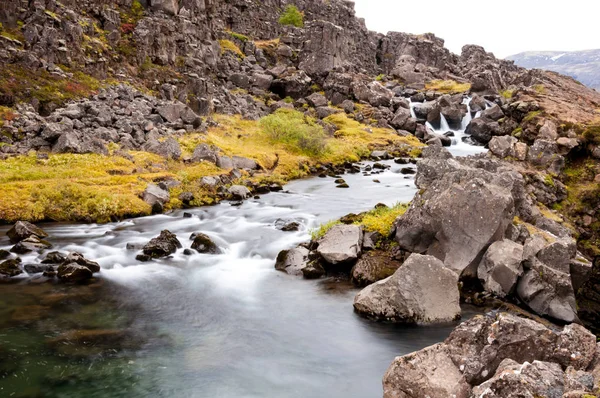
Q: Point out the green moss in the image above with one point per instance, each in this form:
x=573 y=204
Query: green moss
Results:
x=319 y=232
x=591 y=134
x=380 y=77
x=382 y=219
x=531 y=115
x=292 y=16
x=288 y=100
x=549 y=181
x=239 y=36
x=508 y=94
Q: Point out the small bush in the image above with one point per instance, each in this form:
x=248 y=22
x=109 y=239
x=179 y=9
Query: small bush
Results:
x=591 y=135
x=292 y=16
x=297 y=132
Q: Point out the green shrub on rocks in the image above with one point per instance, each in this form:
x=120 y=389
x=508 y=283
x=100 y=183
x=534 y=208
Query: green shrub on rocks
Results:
x=296 y=131
x=292 y=16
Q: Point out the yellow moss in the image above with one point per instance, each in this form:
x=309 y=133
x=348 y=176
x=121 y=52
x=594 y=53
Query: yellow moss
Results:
x=381 y=219
x=228 y=45
x=447 y=86
x=266 y=44
x=319 y=232
x=533 y=230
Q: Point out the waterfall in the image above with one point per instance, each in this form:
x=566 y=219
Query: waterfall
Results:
x=411 y=105
x=444 y=126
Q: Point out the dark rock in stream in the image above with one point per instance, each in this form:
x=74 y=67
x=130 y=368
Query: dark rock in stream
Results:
x=78 y=258
x=4 y=254
x=11 y=267
x=30 y=244
x=37 y=268
x=293 y=261
x=23 y=230
x=74 y=273
x=54 y=258
x=162 y=246
x=202 y=243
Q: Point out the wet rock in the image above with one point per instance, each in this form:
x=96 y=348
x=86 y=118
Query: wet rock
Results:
x=287 y=225
x=31 y=244
x=426 y=373
x=54 y=258
x=4 y=254
x=341 y=244
x=78 y=258
x=162 y=246
x=74 y=273
x=23 y=230
x=372 y=267
x=37 y=268
x=501 y=267
x=421 y=291
x=202 y=243
x=238 y=192
x=293 y=261
x=156 y=197
x=11 y=267
x=313 y=270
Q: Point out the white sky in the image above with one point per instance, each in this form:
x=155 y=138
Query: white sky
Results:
x=504 y=27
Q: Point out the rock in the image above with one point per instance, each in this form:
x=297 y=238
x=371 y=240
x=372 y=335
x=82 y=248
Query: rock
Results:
x=494 y=113
x=373 y=267
x=287 y=225
x=74 y=273
x=78 y=258
x=503 y=146
x=54 y=258
x=377 y=155
x=162 y=246
x=238 y=192
x=341 y=244
x=548 y=292
x=548 y=131
x=31 y=244
x=23 y=230
x=575 y=347
x=426 y=373
x=293 y=261
x=313 y=270
x=483 y=129
x=537 y=379
x=316 y=100
x=203 y=152
x=244 y=163
x=202 y=243
x=11 y=267
x=545 y=154
x=501 y=267
x=421 y=291
x=4 y=254
x=168 y=149
x=171 y=112
x=156 y=197
x=37 y=268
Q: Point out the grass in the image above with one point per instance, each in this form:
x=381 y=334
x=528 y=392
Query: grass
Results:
x=238 y=36
x=591 y=134
x=292 y=16
x=229 y=46
x=380 y=219
x=508 y=94
x=531 y=115
x=447 y=86
x=70 y=187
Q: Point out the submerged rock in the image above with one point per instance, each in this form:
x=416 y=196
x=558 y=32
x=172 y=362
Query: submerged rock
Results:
x=421 y=291
x=23 y=230
x=162 y=246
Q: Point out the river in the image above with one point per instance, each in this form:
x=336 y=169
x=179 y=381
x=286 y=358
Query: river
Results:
x=213 y=326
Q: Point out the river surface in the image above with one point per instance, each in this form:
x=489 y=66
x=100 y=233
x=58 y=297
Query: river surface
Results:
x=209 y=326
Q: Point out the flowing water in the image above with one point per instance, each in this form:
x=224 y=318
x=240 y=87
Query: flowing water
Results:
x=224 y=325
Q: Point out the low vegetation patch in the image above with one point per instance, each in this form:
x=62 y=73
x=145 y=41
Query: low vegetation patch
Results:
x=508 y=94
x=320 y=232
x=229 y=46
x=381 y=219
x=447 y=86
x=296 y=131
x=292 y=16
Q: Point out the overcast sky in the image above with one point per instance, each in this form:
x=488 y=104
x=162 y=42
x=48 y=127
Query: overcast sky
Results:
x=504 y=27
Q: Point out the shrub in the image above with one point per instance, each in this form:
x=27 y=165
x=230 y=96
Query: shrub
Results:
x=296 y=131
x=591 y=135
x=228 y=45
x=292 y=16
x=239 y=36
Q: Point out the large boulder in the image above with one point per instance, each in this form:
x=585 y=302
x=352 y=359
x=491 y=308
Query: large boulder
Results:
x=238 y=192
x=74 y=273
x=421 y=291
x=11 y=267
x=168 y=149
x=341 y=244
x=31 y=244
x=162 y=246
x=23 y=230
x=501 y=267
x=426 y=373
x=545 y=154
x=503 y=146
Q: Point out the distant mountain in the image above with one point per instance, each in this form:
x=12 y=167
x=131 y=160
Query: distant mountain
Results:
x=581 y=65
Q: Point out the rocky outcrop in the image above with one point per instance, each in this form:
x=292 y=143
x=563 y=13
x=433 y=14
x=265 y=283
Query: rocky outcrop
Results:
x=23 y=230
x=421 y=291
x=498 y=355
x=501 y=267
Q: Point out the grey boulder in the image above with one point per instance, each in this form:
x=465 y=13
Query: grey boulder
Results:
x=341 y=244
x=501 y=267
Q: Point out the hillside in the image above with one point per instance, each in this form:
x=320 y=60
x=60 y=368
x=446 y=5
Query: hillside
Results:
x=583 y=66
